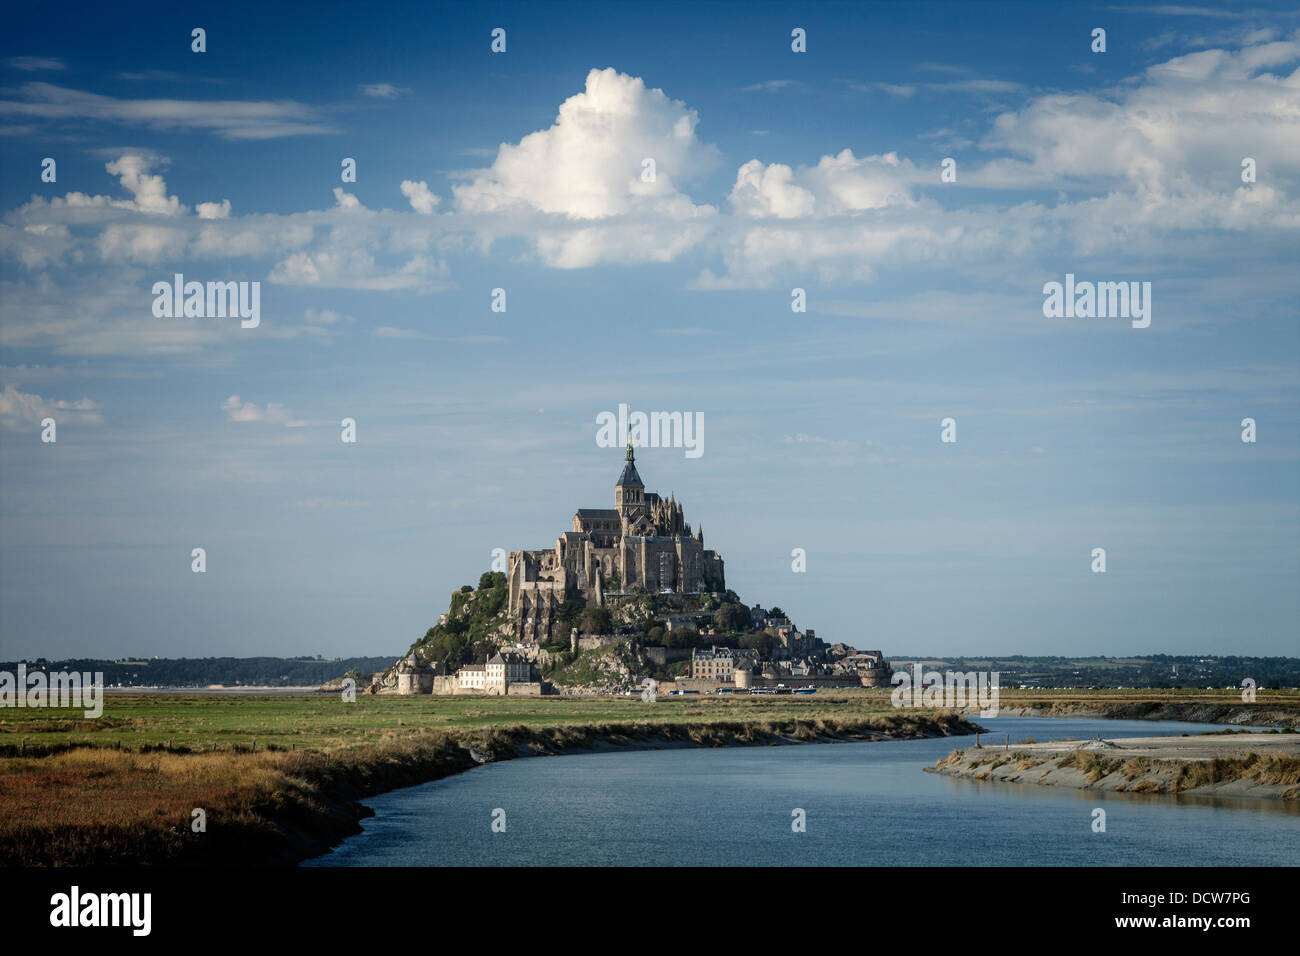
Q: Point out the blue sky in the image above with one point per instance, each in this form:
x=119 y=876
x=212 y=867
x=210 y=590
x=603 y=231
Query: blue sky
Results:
x=775 y=170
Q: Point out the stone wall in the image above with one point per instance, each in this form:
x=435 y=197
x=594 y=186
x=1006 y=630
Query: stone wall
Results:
x=790 y=680
x=445 y=684
x=691 y=683
x=661 y=656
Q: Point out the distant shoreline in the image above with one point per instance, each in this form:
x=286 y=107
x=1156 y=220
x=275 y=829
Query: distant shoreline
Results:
x=1279 y=716
x=222 y=689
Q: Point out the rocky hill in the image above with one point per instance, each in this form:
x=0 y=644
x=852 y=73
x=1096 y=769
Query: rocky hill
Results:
x=477 y=623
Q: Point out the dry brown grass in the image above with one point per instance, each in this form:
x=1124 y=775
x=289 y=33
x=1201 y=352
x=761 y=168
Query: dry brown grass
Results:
x=93 y=806
x=96 y=806
x=1266 y=769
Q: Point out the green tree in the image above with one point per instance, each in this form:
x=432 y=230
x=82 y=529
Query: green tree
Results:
x=682 y=637
x=570 y=612
x=731 y=617
x=761 y=641
x=597 y=620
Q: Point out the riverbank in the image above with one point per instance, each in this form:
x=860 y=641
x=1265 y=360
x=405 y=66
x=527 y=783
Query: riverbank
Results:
x=1281 y=716
x=95 y=806
x=1241 y=764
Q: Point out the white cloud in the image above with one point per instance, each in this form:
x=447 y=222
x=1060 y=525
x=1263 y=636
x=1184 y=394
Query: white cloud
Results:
x=836 y=185
x=588 y=164
x=421 y=198
x=138 y=243
x=1151 y=166
x=1158 y=160
x=356 y=269
x=763 y=191
x=249 y=412
x=19 y=409
x=346 y=200
x=1176 y=130
x=212 y=210
x=148 y=192
x=576 y=191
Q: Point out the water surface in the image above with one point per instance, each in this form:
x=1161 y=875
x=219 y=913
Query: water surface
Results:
x=865 y=803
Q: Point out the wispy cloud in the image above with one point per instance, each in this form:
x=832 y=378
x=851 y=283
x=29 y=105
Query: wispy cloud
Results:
x=229 y=119
x=167 y=76
x=1174 y=10
x=389 y=332
x=383 y=91
x=767 y=86
x=973 y=85
x=32 y=64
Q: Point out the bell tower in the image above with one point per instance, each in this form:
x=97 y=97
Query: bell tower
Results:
x=629 y=492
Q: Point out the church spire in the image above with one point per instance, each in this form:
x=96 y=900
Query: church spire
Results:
x=629 y=490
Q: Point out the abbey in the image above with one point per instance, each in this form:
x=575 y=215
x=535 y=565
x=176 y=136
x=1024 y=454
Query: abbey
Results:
x=642 y=541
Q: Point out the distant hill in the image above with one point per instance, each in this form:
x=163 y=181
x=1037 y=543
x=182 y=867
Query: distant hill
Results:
x=1150 y=670
x=202 y=671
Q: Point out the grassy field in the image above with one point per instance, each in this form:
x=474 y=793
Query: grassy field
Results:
x=279 y=776
x=323 y=721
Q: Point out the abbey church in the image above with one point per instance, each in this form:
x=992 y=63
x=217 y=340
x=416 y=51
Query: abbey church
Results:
x=643 y=541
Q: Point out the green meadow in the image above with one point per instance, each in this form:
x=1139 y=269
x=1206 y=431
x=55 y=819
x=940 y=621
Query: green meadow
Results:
x=324 y=721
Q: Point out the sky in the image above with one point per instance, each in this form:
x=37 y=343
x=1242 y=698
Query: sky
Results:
x=774 y=170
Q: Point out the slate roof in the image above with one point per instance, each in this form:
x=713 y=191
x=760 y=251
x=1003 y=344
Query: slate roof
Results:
x=629 y=478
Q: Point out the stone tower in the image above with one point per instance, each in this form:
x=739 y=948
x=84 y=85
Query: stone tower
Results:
x=629 y=492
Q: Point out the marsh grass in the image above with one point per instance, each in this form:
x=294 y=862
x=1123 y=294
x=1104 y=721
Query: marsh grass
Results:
x=124 y=795
x=1266 y=769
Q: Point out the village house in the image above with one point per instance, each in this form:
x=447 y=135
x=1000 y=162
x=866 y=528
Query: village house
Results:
x=721 y=663
x=473 y=677
x=502 y=670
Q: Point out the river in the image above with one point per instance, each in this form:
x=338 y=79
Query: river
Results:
x=864 y=804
